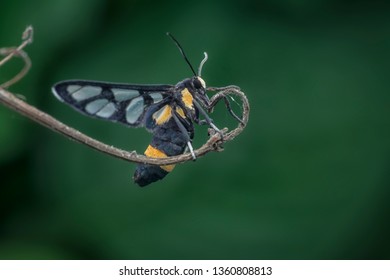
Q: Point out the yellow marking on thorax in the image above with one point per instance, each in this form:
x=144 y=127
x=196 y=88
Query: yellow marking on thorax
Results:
x=180 y=112
x=156 y=153
x=163 y=115
x=187 y=98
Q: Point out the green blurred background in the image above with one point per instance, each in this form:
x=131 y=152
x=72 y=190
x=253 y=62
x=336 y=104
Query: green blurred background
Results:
x=308 y=178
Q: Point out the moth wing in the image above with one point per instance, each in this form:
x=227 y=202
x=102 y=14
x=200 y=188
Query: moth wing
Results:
x=123 y=103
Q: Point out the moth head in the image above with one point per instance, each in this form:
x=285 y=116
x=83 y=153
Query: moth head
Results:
x=199 y=85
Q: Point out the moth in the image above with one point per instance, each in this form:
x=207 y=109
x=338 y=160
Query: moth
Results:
x=167 y=111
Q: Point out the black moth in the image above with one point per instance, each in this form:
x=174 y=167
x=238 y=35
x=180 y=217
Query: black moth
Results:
x=167 y=111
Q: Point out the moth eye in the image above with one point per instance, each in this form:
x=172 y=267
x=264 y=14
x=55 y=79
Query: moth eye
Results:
x=197 y=84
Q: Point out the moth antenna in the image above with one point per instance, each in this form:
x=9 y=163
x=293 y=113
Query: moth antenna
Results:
x=202 y=63
x=182 y=52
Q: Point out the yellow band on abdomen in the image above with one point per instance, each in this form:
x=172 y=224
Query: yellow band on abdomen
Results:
x=156 y=153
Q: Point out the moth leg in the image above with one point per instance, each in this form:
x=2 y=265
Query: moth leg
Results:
x=216 y=99
x=207 y=118
x=184 y=131
x=229 y=108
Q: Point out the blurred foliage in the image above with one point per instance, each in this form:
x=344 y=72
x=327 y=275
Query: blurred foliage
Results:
x=308 y=178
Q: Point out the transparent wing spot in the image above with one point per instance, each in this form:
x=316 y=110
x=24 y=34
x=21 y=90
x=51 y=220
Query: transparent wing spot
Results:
x=157 y=97
x=107 y=111
x=95 y=106
x=135 y=109
x=73 y=88
x=124 y=94
x=83 y=93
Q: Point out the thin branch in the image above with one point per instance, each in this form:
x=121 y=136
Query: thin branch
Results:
x=213 y=144
x=25 y=69
x=27 y=38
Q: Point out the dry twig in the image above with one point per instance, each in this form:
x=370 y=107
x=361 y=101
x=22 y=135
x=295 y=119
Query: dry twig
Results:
x=27 y=38
x=10 y=100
